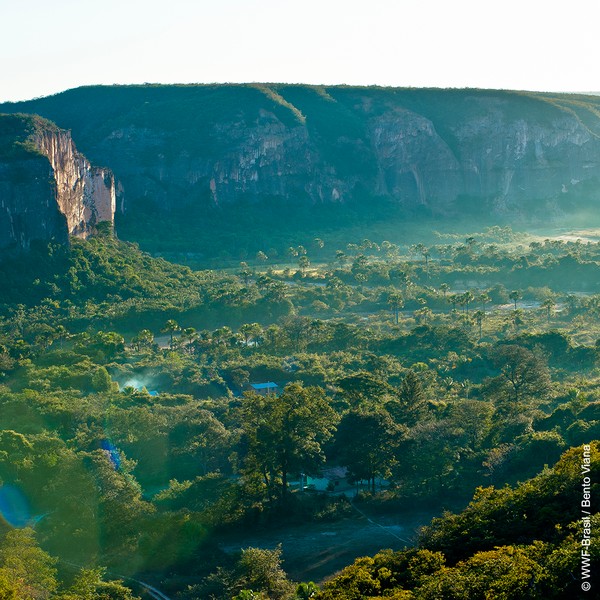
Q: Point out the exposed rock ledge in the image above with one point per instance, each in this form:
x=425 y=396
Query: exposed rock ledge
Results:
x=48 y=190
x=85 y=194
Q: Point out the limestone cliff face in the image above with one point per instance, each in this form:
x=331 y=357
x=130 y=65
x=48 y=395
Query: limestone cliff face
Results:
x=48 y=190
x=85 y=195
x=28 y=207
x=505 y=153
x=414 y=164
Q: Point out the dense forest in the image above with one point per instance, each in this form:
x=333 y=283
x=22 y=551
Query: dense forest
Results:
x=157 y=416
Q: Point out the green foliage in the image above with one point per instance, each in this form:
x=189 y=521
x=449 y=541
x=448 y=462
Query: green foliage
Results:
x=524 y=374
x=353 y=583
x=89 y=584
x=363 y=389
x=256 y=574
x=306 y=591
x=410 y=405
x=261 y=569
x=16 y=132
x=521 y=567
x=506 y=573
x=366 y=442
x=101 y=381
x=26 y=571
x=285 y=434
x=529 y=512
x=436 y=407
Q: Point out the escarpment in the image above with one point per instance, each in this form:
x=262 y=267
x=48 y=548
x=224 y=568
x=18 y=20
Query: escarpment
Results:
x=196 y=157
x=48 y=190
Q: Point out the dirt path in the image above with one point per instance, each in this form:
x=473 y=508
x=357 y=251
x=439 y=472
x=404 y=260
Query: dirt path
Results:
x=315 y=551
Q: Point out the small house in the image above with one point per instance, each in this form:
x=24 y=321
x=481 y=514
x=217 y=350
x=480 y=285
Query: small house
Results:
x=265 y=389
x=333 y=479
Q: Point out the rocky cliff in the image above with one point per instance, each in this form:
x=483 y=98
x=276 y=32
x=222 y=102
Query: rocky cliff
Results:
x=48 y=190
x=190 y=149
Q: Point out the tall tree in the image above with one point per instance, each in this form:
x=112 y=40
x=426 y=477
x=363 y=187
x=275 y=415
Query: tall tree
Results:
x=515 y=296
x=466 y=299
x=250 y=332
x=396 y=303
x=523 y=372
x=188 y=335
x=365 y=442
x=479 y=316
x=285 y=434
x=410 y=404
x=548 y=304
x=303 y=263
x=144 y=339
x=363 y=389
x=171 y=326
x=483 y=299
x=260 y=569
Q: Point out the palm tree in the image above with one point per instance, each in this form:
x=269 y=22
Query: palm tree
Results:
x=396 y=302
x=303 y=263
x=467 y=298
x=423 y=250
x=250 y=331
x=170 y=327
x=189 y=335
x=484 y=299
x=515 y=296
x=144 y=339
x=222 y=336
x=454 y=299
x=548 y=304
x=479 y=315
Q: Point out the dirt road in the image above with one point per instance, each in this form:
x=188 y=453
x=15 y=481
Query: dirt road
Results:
x=315 y=551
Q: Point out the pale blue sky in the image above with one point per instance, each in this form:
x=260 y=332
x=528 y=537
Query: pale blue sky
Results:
x=51 y=45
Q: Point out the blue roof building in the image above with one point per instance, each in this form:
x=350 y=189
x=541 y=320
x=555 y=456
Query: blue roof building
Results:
x=265 y=388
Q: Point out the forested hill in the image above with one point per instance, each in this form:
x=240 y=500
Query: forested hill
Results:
x=508 y=543
x=236 y=158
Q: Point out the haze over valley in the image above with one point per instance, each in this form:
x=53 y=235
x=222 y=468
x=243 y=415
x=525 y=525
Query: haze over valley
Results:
x=331 y=340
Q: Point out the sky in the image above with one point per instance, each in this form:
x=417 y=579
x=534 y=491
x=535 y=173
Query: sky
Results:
x=48 y=46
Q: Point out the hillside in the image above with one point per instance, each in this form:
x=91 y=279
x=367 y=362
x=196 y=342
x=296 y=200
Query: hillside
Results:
x=520 y=543
x=220 y=165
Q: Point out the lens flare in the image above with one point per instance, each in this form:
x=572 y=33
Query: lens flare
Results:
x=113 y=453
x=14 y=507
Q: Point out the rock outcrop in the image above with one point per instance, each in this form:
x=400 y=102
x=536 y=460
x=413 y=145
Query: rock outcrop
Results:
x=48 y=190
x=506 y=154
